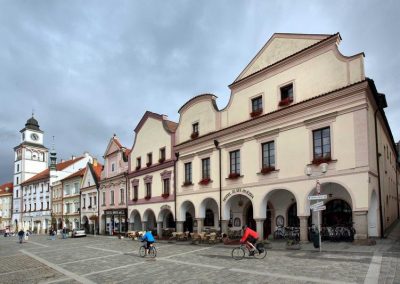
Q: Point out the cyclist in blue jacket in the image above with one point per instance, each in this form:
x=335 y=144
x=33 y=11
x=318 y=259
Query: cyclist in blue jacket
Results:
x=149 y=238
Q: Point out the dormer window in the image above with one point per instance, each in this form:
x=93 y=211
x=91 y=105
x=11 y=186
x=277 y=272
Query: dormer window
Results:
x=162 y=155
x=286 y=95
x=256 y=107
x=195 y=130
x=149 y=159
x=138 y=163
x=112 y=167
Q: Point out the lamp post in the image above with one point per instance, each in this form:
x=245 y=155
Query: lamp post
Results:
x=323 y=168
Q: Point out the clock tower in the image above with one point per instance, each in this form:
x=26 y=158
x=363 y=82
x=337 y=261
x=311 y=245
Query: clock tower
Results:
x=30 y=158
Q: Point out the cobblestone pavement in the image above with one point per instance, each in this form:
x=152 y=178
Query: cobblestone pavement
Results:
x=111 y=260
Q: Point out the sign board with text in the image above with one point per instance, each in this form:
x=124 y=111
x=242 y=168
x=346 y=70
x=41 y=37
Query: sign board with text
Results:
x=318 y=197
x=319 y=208
x=318 y=204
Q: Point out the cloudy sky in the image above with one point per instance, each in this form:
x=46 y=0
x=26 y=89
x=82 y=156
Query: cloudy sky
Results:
x=92 y=68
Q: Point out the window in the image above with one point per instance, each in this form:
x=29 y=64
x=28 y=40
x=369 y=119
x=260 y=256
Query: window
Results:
x=30 y=207
x=205 y=168
x=17 y=168
x=48 y=204
x=209 y=220
x=67 y=190
x=25 y=208
x=268 y=155
x=195 y=127
x=256 y=104
x=76 y=188
x=149 y=159
x=122 y=195
x=188 y=173
x=166 y=186
x=112 y=197
x=34 y=207
x=322 y=144
x=235 y=162
x=84 y=202
x=112 y=167
x=104 y=198
x=41 y=189
x=47 y=188
x=34 y=189
x=17 y=180
x=286 y=95
x=162 y=155
x=135 y=192
x=41 y=205
x=148 y=191
x=90 y=202
x=138 y=163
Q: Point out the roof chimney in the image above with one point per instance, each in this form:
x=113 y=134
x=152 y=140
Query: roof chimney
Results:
x=72 y=157
x=95 y=162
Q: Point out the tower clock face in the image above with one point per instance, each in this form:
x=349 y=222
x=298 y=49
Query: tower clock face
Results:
x=34 y=136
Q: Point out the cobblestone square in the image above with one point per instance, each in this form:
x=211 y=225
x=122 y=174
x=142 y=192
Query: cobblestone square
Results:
x=112 y=260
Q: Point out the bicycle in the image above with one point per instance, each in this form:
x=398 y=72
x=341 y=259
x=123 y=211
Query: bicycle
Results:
x=240 y=252
x=152 y=250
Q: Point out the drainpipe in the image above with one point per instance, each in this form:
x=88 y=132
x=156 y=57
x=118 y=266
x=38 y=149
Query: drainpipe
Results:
x=216 y=143
x=175 y=161
x=397 y=191
x=379 y=173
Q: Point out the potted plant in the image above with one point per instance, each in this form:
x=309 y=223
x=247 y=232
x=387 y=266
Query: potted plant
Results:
x=286 y=101
x=165 y=195
x=161 y=160
x=321 y=160
x=205 y=181
x=134 y=199
x=148 y=164
x=256 y=113
x=137 y=167
x=194 y=135
x=187 y=183
x=233 y=175
x=147 y=197
x=268 y=169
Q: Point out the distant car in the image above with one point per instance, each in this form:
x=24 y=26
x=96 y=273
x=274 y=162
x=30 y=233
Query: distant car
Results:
x=78 y=233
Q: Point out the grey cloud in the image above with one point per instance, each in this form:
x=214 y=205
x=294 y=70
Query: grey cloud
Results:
x=92 y=68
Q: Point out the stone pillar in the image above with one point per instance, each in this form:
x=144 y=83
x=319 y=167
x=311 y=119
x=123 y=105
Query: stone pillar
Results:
x=224 y=226
x=159 y=229
x=200 y=222
x=179 y=226
x=260 y=228
x=303 y=229
x=144 y=225
x=360 y=219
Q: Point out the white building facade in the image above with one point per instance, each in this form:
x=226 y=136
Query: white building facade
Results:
x=151 y=199
x=298 y=104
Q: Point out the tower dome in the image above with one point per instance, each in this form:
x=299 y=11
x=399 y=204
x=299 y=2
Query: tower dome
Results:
x=32 y=123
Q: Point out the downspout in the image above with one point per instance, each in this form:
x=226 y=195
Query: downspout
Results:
x=397 y=191
x=175 y=161
x=216 y=143
x=379 y=173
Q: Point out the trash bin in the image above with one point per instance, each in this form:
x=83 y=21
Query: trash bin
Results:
x=315 y=238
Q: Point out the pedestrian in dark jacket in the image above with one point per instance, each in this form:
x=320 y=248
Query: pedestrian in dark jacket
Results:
x=21 y=235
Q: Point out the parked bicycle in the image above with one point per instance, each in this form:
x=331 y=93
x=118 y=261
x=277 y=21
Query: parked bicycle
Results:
x=152 y=250
x=243 y=250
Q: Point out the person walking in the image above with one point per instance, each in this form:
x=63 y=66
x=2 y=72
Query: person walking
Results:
x=21 y=235
x=64 y=233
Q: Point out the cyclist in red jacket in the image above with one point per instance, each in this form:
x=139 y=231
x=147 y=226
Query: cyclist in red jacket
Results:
x=250 y=237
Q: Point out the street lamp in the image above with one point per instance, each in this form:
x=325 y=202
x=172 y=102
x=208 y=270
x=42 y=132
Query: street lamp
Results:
x=323 y=168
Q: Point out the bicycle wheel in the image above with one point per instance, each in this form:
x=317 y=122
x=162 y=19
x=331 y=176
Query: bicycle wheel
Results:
x=142 y=251
x=260 y=255
x=152 y=252
x=238 y=253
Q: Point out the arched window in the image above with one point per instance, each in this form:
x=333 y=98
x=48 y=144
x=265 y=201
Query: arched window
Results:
x=293 y=220
x=338 y=212
x=209 y=220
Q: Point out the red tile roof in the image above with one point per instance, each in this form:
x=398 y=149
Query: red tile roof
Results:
x=46 y=173
x=79 y=173
x=97 y=169
x=3 y=187
x=172 y=126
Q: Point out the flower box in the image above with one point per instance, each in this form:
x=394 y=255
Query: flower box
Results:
x=148 y=164
x=187 y=183
x=205 y=181
x=194 y=135
x=286 y=101
x=165 y=195
x=147 y=197
x=134 y=199
x=256 y=113
x=233 y=176
x=137 y=167
x=318 y=161
x=161 y=160
x=266 y=170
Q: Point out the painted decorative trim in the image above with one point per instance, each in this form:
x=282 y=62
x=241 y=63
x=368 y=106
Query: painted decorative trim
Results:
x=135 y=182
x=166 y=174
x=148 y=179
